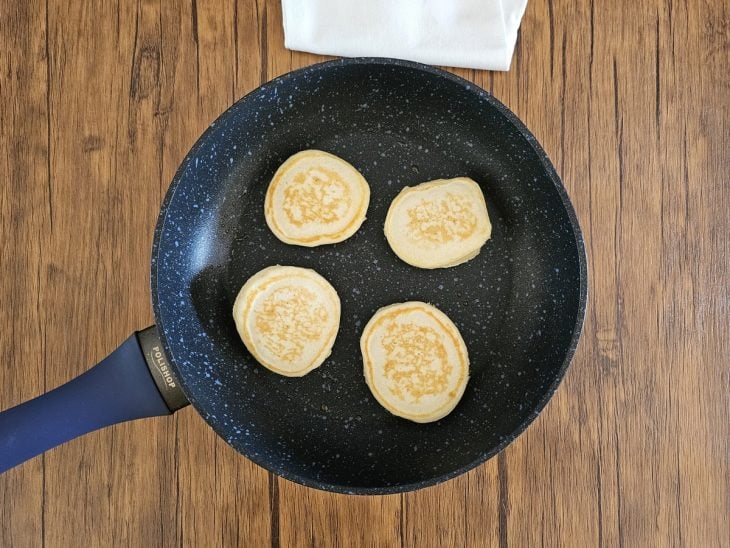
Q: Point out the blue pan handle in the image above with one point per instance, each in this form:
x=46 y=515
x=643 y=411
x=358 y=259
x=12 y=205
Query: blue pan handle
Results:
x=133 y=382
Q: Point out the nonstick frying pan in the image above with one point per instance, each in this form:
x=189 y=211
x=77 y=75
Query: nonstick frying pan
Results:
x=519 y=304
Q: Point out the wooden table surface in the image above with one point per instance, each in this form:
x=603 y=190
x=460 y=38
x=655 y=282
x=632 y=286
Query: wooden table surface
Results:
x=99 y=102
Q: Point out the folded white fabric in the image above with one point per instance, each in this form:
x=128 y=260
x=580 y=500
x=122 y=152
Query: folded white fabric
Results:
x=457 y=33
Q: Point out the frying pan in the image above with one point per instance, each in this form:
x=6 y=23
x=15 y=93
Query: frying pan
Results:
x=519 y=304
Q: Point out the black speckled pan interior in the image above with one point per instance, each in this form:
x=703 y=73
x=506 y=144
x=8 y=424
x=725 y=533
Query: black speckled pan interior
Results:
x=519 y=305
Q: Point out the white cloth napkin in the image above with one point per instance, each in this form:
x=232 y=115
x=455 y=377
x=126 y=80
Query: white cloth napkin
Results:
x=457 y=33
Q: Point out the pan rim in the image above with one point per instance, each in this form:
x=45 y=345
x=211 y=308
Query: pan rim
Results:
x=553 y=176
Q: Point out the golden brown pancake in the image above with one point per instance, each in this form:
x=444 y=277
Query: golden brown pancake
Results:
x=288 y=318
x=438 y=224
x=316 y=198
x=415 y=362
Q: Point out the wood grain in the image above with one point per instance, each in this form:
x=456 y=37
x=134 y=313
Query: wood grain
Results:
x=100 y=101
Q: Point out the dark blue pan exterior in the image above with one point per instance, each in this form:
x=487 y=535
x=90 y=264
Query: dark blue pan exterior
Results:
x=519 y=305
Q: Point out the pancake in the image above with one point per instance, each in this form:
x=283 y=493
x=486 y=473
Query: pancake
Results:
x=438 y=224
x=316 y=198
x=288 y=318
x=415 y=362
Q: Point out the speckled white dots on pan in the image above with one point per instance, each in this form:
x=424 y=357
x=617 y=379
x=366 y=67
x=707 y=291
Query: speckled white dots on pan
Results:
x=519 y=305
